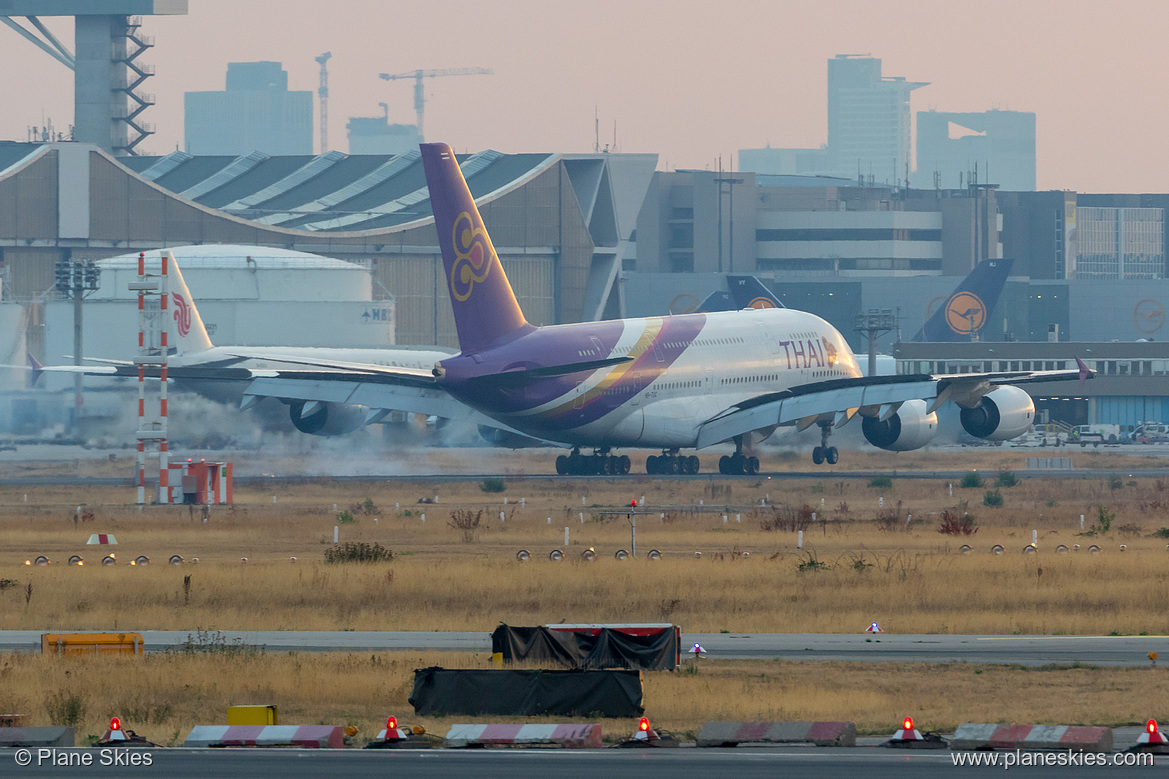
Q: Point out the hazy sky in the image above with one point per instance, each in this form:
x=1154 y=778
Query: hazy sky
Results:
x=686 y=79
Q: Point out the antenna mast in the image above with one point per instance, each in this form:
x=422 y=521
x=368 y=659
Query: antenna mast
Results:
x=323 y=95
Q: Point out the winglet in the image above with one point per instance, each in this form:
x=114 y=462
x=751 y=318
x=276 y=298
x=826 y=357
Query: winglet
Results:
x=36 y=367
x=1085 y=372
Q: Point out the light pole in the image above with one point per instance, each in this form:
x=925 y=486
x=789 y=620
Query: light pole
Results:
x=74 y=279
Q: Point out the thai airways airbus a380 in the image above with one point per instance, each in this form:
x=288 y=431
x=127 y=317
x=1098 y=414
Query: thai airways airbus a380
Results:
x=670 y=383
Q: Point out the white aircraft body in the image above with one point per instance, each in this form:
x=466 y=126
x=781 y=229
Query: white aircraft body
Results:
x=673 y=382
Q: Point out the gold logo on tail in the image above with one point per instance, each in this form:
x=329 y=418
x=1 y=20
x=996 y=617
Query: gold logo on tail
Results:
x=965 y=313
x=473 y=256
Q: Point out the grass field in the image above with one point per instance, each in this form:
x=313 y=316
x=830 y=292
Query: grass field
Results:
x=162 y=696
x=871 y=553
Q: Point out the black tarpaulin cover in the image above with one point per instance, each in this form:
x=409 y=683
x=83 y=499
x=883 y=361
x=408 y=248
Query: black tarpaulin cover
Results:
x=608 y=648
x=442 y=691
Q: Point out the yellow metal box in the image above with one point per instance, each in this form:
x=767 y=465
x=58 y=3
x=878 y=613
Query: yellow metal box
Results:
x=253 y=715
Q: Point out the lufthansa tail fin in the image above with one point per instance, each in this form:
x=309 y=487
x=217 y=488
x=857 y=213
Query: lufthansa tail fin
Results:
x=190 y=334
x=968 y=307
x=743 y=292
x=484 y=304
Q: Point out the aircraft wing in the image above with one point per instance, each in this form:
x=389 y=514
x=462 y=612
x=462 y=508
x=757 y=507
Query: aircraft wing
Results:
x=354 y=368
x=379 y=393
x=880 y=396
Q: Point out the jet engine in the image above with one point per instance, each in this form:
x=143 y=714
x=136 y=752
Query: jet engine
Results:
x=910 y=428
x=317 y=418
x=1001 y=414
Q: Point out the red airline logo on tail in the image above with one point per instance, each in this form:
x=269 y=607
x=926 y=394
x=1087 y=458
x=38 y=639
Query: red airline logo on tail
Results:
x=182 y=314
x=473 y=255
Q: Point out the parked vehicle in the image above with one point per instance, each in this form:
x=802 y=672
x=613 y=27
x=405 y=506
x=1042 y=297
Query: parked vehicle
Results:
x=1096 y=434
x=1151 y=433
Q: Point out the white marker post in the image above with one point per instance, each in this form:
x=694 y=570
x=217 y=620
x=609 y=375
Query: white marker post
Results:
x=582 y=517
x=800 y=540
x=336 y=532
x=951 y=486
x=1035 y=538
x=724 y=519
x=1081 y=522
x=549 y=520
x=566 y=536
x=273 y=500
x=739 y=518
x=881 y=502
x=423 y=517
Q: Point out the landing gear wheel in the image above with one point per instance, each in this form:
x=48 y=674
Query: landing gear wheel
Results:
x=624 y=464
x=693 y=465
x=832 y=456
x=751 y=465
x=562 y=465
x=818 y=455
x=651 y=465
x=724 y=465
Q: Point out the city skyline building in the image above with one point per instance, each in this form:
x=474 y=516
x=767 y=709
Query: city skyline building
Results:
x=255 y=113
x=868 y=120
x=988 y=147
x=375 y=135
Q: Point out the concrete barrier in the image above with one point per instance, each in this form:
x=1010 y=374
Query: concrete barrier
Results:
x=1080 y=737
x=822 y=734
x=311 y=736
x=37 y=737
x=564 y=736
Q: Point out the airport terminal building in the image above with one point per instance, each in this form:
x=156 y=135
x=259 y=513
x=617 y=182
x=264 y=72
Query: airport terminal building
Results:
x=561 y=223
x=595 y=236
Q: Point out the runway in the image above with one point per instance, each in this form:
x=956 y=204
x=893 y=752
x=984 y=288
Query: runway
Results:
x=565 y=764
x=883 y=647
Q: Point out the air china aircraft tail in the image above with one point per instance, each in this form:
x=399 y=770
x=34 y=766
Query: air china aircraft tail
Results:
x=485 y=307
x=190 y=334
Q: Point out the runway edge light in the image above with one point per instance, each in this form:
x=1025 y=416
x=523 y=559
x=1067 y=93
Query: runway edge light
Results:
x=1152 y=737
x=644 y=732
x=910 y=737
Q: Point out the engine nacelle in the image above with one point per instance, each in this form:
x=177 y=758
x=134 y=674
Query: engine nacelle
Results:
x=910 y=428
x=1001 y=415
x=327 y=418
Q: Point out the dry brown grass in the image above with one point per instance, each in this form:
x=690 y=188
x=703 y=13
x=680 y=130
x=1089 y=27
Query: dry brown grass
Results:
x=162 y=696
x=911 y=580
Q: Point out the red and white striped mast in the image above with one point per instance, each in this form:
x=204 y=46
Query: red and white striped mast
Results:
x=152 y=353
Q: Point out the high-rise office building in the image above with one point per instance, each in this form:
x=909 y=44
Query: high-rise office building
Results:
x=868 y=120
x=375 y=135
x=991 y=147
x=255 y=113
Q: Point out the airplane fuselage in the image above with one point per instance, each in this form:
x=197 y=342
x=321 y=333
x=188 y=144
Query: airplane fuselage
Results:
x=678 y=372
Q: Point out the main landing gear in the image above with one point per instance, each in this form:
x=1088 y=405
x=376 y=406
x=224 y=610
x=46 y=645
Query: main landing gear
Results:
x=670 y=462
x=738 y=464
x=599 y=464
x=825 y=453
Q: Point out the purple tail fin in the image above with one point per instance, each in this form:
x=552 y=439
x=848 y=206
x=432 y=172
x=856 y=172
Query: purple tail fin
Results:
x=485 y=306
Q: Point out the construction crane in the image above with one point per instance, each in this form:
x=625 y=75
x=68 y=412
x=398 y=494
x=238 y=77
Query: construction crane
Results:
x=418 y=75
x=323 y=94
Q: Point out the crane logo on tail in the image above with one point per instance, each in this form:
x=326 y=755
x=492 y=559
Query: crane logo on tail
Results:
x=182 y=314
x=473 y=256
x=761 y=303
x=965 y=313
